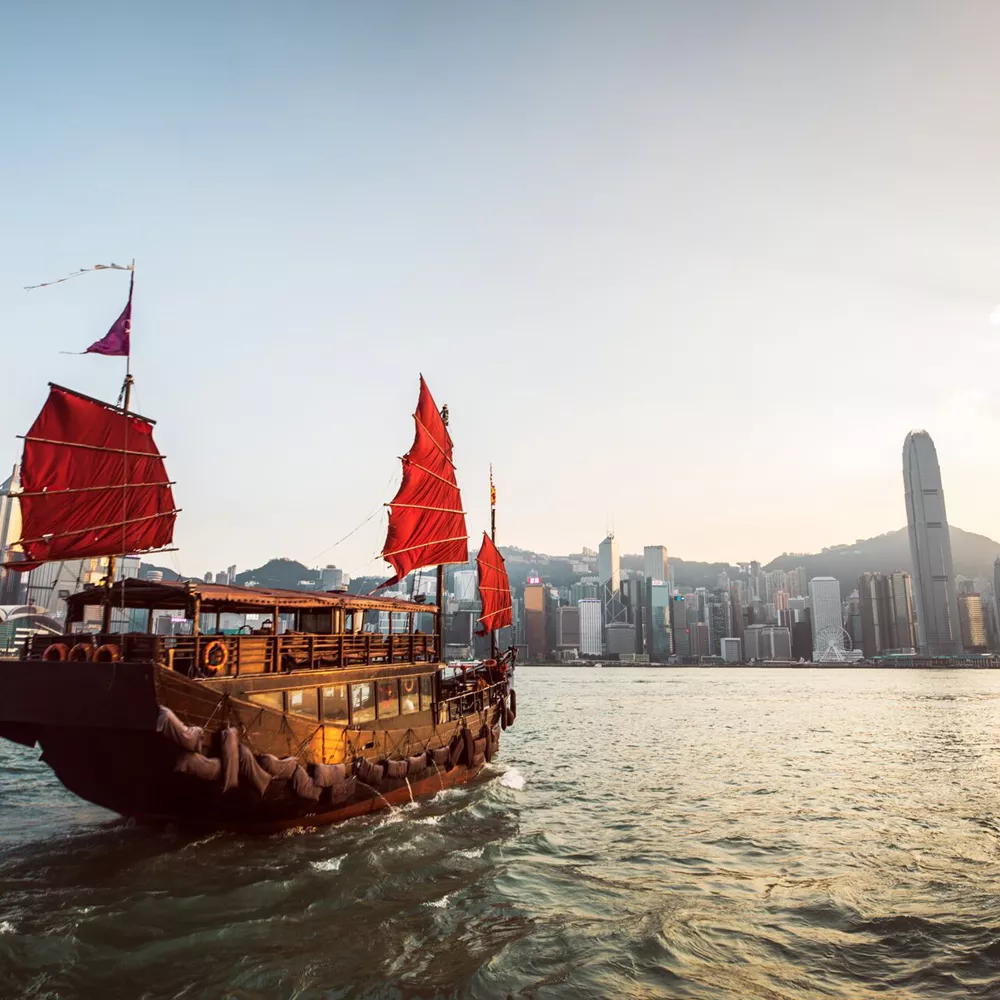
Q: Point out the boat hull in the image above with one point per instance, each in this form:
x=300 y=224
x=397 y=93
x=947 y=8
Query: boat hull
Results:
x=101 y=729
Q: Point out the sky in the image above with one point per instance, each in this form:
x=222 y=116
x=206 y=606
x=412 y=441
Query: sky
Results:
x=690 y=271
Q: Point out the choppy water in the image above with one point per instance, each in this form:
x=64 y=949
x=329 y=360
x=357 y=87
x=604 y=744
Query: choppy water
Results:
x=645 y=833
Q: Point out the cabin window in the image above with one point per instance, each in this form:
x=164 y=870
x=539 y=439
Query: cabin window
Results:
x=269 y=699
x=303 y=702
x=388 y=698
x=427 y=691
x=335 y=703
x=362 y=702
x=317 y=622
x=409 y=694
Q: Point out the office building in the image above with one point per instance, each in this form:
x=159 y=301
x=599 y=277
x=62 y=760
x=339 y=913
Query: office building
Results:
x=732 y=650
x=590 y=622
x=680 y=610
x=701 y=640
x=609 y=571
x=620 y=639
x=930 y=547
x=567 y=628
x=465 y=586
x=970 y=615
x=658 y=643
x=827 y=617
x=654 y=559
x=534 y=618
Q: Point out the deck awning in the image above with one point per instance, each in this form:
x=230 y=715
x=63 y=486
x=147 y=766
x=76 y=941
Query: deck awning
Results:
x=176 y=596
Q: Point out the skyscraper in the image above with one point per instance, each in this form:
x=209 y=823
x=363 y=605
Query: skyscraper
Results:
x=930 y=547
x=534 y=618
x=827 y=615
x=590 y=626
x=609 y=570
x=654 y=559
x=970 y=613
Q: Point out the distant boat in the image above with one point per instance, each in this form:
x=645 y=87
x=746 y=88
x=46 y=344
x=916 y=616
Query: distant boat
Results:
x=257 y=732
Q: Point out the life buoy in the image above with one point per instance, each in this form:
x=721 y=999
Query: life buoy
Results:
x=108 y=653
x=57 y=651
x=82 y=652
x=489 y=663
x=214 y=657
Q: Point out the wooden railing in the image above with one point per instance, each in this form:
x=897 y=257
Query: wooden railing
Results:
x=257 y=653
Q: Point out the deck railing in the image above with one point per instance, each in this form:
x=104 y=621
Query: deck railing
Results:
x=257 y=653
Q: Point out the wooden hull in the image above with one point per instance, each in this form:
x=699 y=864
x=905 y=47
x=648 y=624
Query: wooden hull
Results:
x=100 y=727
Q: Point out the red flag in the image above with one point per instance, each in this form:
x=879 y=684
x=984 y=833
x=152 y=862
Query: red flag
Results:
x=115 y=343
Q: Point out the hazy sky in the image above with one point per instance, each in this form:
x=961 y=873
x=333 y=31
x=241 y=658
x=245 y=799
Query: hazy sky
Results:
x=694 y=269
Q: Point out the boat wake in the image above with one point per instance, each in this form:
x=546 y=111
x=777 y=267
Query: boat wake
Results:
x=513 y=779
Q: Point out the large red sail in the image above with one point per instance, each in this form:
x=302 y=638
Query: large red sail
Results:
x=494 y=588
x=426 y=520
x=93 y=483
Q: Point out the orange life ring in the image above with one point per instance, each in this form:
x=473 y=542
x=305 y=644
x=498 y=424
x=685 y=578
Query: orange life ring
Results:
x=108 y=653
x=214 y=657
x=489 y=663
x=57 y=651
x=82 y=652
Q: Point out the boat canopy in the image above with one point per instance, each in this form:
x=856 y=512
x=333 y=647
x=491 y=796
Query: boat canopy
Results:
x=177 y=595
x=93 y=483
x=426 y=520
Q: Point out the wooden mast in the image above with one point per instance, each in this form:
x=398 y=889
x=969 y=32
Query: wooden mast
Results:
x=126 y=399
x=440 y=574
x=493 y=539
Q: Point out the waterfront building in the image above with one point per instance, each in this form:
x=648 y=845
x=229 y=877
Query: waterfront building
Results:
x=679 y=625
x=331 y=578
x=732 y=650
x=589 y=622
x=827 y=615
x=930 y=547
x=970 y=615
x=609 y=572
x=633 y=600
x=700 y=639
x=776 y=643
x=567 y=628
x=620 y=639
x=534 y=618
x=658 y=630
x=719 y=618
x=802 y=643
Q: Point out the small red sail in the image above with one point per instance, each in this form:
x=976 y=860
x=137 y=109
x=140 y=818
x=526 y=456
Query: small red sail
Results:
x=494 y=588
x=426 y=520
x=93 y=483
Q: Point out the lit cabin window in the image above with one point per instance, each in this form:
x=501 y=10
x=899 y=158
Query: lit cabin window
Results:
x=335 y=703
x=303 y=702
x=409 y=695
x=269 y=699
x=362 y=702
x=426 y=691
x=388 y=698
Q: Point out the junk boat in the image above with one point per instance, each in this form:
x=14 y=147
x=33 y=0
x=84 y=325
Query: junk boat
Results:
x=350 y=710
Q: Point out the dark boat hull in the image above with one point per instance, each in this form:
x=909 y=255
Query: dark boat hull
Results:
x=100 y=729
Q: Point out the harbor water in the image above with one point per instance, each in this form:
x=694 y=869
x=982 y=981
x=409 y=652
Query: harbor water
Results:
x=716 y=833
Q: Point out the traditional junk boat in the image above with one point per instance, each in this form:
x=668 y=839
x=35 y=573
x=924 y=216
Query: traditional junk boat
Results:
x=333 y=718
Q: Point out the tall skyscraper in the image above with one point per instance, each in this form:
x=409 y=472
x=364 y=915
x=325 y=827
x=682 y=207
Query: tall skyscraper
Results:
x=654 y=559
x=930 y=547
x=970 y=613
x=658 y=623
x=827 y=615
x=609 y=571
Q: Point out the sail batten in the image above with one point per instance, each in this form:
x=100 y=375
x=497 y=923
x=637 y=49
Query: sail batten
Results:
x=426 y=519
x=494 y=588
x=93 y=483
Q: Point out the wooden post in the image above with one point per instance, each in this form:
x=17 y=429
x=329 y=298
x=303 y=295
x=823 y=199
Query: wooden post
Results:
x=276 y=656
x=149 y=622
x=440 y=614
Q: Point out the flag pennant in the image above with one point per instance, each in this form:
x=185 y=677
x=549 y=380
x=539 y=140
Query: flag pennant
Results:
x=493 y=492
x=116 y=342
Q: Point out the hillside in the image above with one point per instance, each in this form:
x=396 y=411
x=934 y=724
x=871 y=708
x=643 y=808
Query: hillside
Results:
x=973 y=556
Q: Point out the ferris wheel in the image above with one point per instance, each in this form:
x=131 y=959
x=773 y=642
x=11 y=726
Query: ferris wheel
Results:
x=833 y=645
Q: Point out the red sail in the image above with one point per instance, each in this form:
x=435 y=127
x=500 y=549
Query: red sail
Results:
x=93 y=483
x=494 y=588
x=426 y=520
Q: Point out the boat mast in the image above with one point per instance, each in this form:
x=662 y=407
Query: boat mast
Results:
x=440 y=574
x=126 y=399
x=493 y=539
